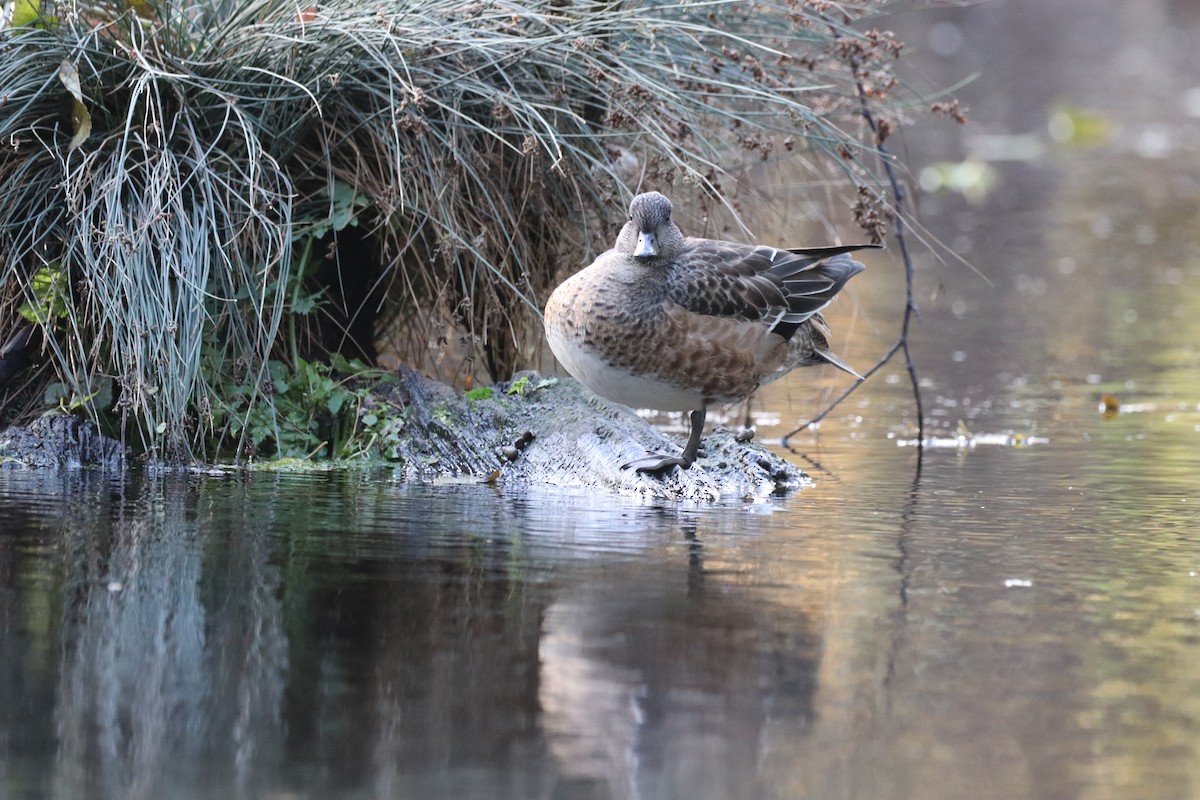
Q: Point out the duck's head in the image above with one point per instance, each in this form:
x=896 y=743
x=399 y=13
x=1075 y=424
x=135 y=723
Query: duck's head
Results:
x=650 y=234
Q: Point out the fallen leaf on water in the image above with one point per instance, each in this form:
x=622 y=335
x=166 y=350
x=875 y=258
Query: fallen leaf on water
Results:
x=1110 y=406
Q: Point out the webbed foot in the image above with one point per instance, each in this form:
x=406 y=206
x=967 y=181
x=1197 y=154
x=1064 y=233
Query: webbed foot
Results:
x=654 y=464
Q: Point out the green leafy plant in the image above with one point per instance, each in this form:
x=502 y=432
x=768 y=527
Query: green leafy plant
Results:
x=48 y=302
x=326 y=410
x=480 y=393
x=525 y=385
x=61 y=397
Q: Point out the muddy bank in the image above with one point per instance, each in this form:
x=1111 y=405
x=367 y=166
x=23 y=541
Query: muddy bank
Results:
x=59 y=441
x=532 y=430
x=551 y=431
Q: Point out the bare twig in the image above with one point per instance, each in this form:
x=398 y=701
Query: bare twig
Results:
x=910 y=306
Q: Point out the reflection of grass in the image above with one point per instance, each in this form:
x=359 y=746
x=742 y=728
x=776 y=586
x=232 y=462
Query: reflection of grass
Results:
x=189 y=168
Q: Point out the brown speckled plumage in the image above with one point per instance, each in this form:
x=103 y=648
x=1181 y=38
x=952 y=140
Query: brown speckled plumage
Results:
x=676 y=323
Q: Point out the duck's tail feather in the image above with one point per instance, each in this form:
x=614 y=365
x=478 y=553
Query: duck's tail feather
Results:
x=826 y=355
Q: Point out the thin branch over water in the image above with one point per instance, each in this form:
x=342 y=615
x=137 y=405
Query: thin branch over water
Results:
x=899 y=196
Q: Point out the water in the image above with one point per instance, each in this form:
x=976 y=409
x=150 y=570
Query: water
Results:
x=1008 y=622
x=983 y=621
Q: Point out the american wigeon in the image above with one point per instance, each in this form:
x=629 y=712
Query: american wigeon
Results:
x=677 y=323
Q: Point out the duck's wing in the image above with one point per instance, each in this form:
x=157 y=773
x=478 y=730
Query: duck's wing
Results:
x=782 y=288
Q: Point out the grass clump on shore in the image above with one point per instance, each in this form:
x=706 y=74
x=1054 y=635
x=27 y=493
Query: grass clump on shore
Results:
x=198 y=201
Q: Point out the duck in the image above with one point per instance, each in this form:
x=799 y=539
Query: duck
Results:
x=677 y=323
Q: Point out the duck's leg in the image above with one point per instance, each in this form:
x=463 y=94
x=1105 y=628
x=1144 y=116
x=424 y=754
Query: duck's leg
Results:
x=656 y=463
x=746 y=434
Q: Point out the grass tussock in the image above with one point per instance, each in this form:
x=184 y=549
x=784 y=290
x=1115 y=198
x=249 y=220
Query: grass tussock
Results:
x=196 y=198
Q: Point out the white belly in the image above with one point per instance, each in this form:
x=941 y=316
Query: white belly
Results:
x=614 y=383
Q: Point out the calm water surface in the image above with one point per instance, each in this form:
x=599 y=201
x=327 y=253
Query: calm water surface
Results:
x=983 y=622
x=1008 y=623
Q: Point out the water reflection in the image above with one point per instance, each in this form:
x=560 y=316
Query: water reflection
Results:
x=217 y=637
x=1027 y=615
x=670 y=684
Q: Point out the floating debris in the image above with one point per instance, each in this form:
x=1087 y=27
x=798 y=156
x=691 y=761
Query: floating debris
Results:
x=965 y=440
x=1110 y=406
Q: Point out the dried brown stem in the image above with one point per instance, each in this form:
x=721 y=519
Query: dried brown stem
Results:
x=910 y=306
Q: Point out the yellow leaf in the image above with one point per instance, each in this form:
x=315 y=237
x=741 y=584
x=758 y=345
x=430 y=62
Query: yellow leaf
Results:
x=81 y=118
x=70 y=79
x=144 y=9
x=81 y=124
